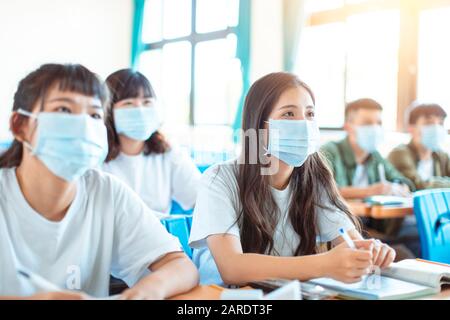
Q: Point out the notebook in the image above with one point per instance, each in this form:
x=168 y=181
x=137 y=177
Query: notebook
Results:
x=388 y=201
x=406 y=279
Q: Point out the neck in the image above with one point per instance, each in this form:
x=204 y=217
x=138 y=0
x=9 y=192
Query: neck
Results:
x=423 y=153
x=280 y=179
x=46 y=193
x=360 y=154
x=130 y=147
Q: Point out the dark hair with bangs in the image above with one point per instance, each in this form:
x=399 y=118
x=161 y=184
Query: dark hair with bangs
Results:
x=424 y=110
x=126 y=84
x=33 y=89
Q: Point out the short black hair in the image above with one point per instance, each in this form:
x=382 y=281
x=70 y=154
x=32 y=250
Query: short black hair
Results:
x=415 y=111
x=361 y=104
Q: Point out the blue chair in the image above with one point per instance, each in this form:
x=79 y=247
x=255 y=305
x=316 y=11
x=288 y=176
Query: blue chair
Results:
x=180 y=227
x=432 y=211
x=4 y=145
x=178 y=210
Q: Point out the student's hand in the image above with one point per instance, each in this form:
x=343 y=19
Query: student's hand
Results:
x=389 y=189
x=401 y=190
x=139 y=294
x=349 y=265
x=66 y=295
x=381 y=188
x=383 y=255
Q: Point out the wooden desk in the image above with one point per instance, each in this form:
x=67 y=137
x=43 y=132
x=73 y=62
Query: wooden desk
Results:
x=213 y=292
x=362 y=209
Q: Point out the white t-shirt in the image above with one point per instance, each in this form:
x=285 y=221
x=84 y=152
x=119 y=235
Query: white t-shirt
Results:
x=425 y=169
x=218 y=204
x=107 y=230
x=159 y=178
x=360 y=178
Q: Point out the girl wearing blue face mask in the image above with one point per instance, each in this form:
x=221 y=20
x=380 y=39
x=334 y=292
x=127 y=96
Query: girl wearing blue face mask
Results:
x=64 y=220
x=139 y=154
x=274 y=211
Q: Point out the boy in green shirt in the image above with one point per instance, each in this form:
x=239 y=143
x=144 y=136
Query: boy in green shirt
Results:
x=423 y=160
x=359 y=169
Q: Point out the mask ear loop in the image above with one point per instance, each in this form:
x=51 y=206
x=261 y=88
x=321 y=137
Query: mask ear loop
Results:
x=30 y=115
x=266 y=148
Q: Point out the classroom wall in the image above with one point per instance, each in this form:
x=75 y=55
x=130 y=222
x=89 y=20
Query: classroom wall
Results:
x=32 y=32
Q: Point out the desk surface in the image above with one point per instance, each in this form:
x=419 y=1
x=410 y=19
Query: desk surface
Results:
x=362 y=209
x=213 y=292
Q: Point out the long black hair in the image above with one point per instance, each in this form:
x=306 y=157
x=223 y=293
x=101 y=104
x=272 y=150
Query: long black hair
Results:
x=311 y=183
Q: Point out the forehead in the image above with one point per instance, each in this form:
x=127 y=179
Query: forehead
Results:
x=79 y=98
x=297 y=96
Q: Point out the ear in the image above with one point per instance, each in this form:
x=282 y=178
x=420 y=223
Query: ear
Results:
x=347 y=127
x=410 y=129
x=18 y=125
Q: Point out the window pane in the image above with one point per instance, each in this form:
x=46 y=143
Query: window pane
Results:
x=169 y=71
x=320 y=5
x=152 y=28
x=214 y=15
x=372 y=60
x=217 y=81
x=321 y=64
x=151 y=66
x=177 y=18
x=434 y=53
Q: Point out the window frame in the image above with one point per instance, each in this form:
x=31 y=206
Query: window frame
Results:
x=194 y=38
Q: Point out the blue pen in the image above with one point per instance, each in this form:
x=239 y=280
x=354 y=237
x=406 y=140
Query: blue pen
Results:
x=347 y=238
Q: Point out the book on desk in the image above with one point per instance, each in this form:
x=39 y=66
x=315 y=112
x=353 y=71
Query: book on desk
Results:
x=407 y=279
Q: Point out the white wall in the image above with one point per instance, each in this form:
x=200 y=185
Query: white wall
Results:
x=96 y=33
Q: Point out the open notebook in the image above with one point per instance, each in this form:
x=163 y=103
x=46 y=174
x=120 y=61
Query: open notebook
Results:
x=406 y=279
x=388 y=201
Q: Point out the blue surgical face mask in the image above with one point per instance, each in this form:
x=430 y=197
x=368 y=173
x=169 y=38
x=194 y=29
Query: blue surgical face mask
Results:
x=292 y=141
x=433 y=137
x=137 y=123
x=69 y=145
x=369 y=138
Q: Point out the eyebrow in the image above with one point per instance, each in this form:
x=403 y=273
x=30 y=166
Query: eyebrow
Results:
x=69 y=100
x=294 y=106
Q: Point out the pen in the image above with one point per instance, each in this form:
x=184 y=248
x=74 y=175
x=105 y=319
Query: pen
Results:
x=38 y=282
x=347 y=238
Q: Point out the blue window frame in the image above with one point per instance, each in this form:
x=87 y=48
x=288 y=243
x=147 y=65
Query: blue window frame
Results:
x=196 y=55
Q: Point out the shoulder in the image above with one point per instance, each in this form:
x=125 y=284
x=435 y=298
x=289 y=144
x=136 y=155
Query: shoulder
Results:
x=401 y=150
x=401 y=154
x=330 y=147
x=4 y=177
x=173 y=156
x=443 y=156
x=221 y=178
x=225 y=171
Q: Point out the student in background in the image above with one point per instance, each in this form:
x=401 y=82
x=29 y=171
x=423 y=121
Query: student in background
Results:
x=269 y=213
x=139 y=154
x=359 y=169
x=66 y=221
x=423 y=160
